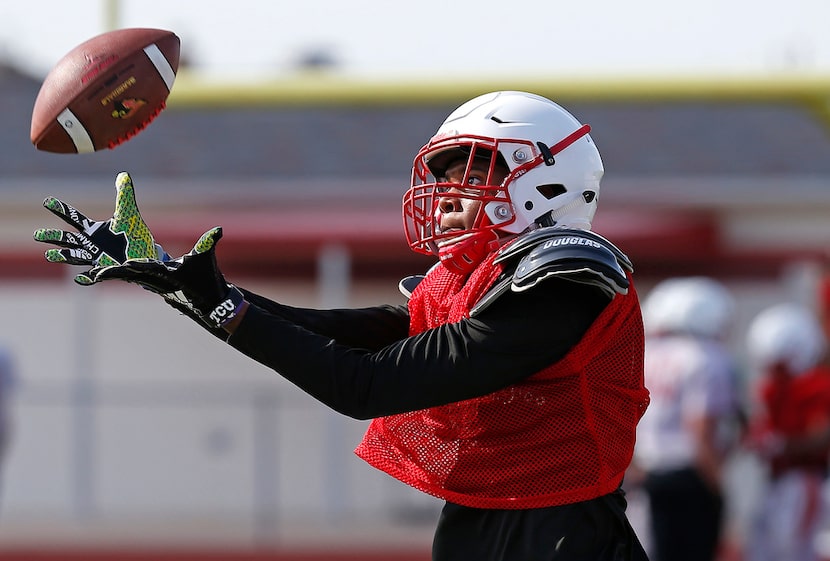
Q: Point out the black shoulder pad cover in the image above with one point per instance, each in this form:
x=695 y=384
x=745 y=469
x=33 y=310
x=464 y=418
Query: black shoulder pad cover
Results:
x=576 y=255
x=408 y=285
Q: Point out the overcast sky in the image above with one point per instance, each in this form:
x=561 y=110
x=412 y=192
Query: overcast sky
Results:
x=447 y=38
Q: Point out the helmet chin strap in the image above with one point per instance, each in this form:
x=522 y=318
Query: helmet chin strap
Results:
x=553 y=217
x=465 y=255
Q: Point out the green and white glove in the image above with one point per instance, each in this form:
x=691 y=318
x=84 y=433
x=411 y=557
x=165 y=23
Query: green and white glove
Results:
x=100 y=243
x=192 y=281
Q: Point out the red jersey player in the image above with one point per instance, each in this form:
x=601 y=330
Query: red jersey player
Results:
x=791 y=432
x=511 y=383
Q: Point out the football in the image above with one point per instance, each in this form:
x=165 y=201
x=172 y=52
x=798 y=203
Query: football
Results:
x=105 y=91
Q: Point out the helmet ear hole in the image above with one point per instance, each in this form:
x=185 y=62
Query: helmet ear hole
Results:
x=551 y=190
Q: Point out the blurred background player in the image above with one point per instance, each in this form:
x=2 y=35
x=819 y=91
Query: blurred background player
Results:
x=8 y=381
x=684 y=438
x=511 y=384
x=790 y=431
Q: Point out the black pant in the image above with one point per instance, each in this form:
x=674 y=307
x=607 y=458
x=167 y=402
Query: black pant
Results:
x=595 y=530
x=686 y=516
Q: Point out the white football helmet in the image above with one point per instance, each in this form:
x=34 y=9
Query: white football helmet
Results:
x=553 y=180
x=786 y=334
x=698 y=306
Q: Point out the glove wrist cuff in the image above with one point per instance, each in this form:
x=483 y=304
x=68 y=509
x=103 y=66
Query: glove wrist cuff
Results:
x=226 y=310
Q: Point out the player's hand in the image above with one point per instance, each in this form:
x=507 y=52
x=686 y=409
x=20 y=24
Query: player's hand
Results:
x=100 y=243
x=193 y=280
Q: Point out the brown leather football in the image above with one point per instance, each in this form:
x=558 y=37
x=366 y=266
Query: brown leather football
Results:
x=105 y=90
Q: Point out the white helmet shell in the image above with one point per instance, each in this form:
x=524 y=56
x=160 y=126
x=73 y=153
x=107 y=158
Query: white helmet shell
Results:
x=531 y=119
x=787 y=334
x=699 y=306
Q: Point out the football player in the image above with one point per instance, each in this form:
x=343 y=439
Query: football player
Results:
x=695 y=417
x=790 y=432
x=511 y=384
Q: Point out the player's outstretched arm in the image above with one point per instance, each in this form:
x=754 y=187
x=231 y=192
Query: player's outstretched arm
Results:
x=100 y=243
x=192 y=281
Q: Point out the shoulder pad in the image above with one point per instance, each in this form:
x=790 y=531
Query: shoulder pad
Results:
x=408 y=285
x=576 y=255
x=532 y=239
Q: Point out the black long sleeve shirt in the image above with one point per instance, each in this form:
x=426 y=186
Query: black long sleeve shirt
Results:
x=364 y=364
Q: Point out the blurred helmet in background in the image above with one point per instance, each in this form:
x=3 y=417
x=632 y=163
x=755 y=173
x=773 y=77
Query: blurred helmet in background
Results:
x=698 y=306
x=788 y=335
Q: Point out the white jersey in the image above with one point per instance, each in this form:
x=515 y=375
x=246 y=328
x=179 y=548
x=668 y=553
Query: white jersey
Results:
x=790 y=516
x=688 y=378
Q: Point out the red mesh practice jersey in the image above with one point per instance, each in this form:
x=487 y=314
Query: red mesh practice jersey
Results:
x=796 y=407
x=563 y=435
